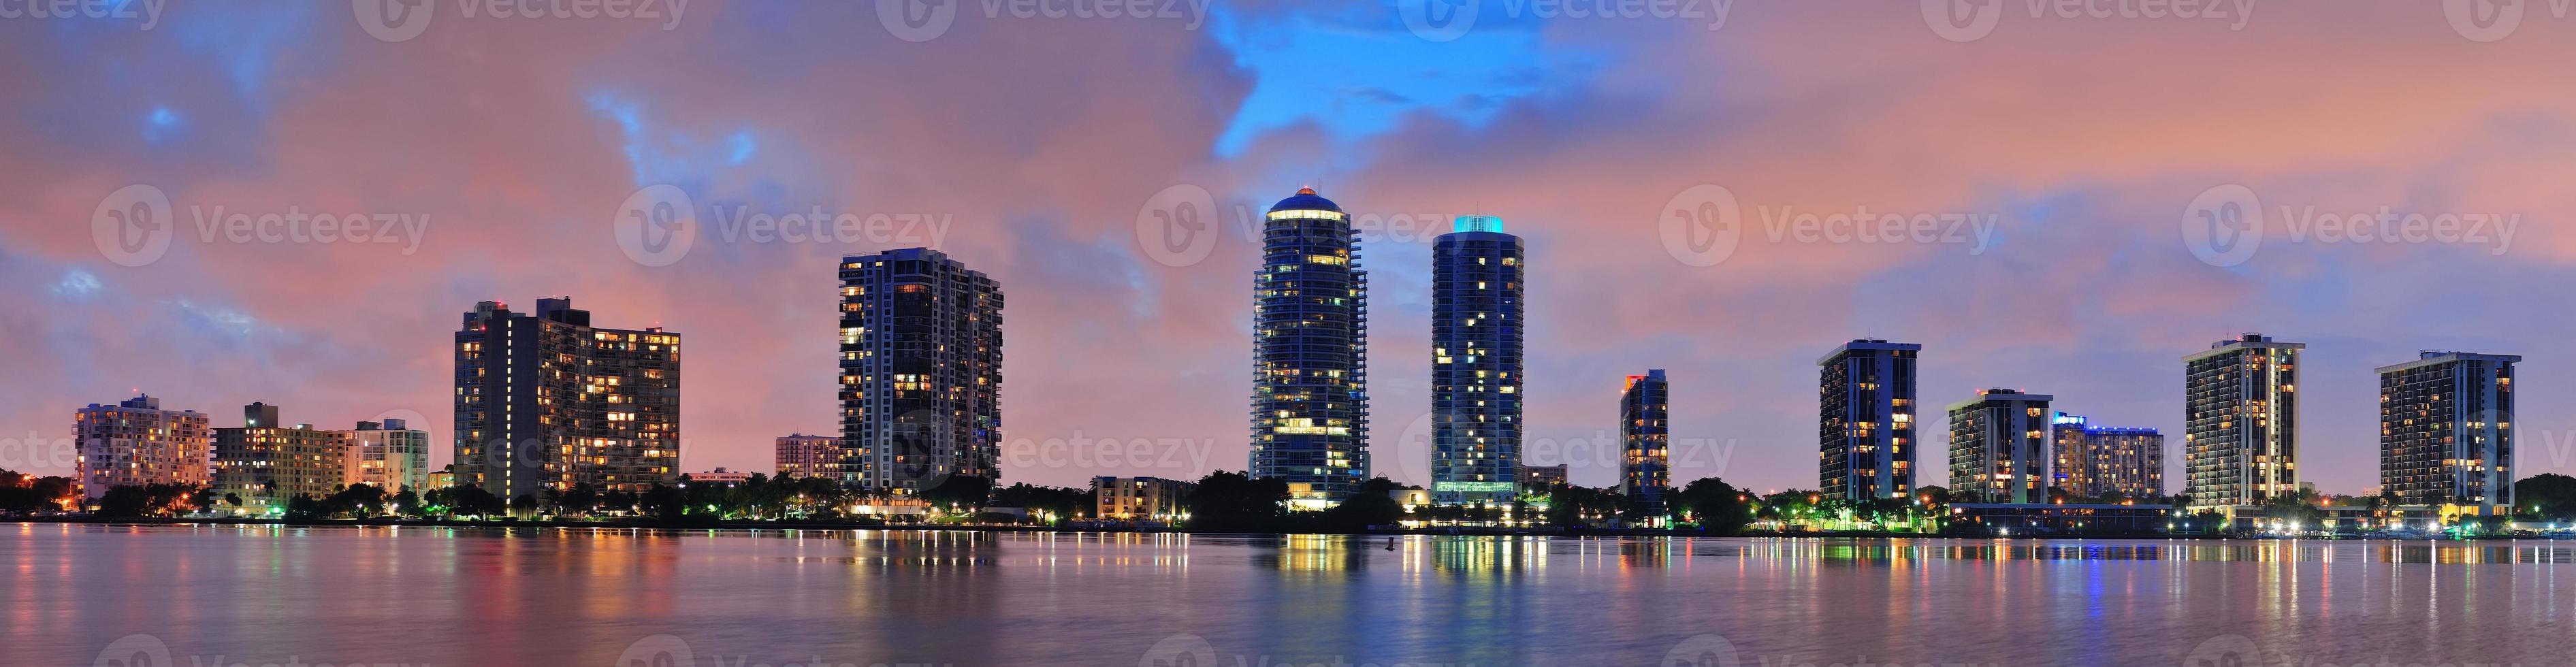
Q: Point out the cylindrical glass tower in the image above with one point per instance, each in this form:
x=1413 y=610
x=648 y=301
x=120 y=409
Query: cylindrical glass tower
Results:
x=1310 y=353
x=1476 y=364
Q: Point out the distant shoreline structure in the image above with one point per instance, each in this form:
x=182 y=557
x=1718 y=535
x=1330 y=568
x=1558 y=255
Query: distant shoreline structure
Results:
x=839 y=526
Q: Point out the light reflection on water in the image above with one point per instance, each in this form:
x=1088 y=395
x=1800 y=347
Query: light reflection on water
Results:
x=266 y=594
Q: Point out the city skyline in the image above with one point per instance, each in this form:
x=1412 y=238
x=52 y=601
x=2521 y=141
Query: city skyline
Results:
x=1147 y=337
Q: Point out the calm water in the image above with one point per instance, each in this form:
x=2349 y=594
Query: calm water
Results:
x=187 y=596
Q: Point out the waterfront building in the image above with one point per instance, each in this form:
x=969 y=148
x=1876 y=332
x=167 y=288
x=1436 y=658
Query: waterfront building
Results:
x=1310 y=353
x=545 y=400
x=720 y=476
x=1139 y=498
x=1538 y=479
x=1865 y=421
x=2241 y=422
x=2098 y=461
x=2446 y=430
x=267 y=462
x=1476 y=378
x=135 y=442
x=1645 y=437
x=388 y=455
x=1999 y=448
x=921 y=372
x=801 y=455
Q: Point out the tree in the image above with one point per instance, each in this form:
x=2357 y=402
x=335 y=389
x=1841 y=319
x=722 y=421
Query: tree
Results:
x=1236 y=501
x=1369 y=505
x=1576 y=506
x=145 y=500
x=1718 y=507
x=358 y=500
x=2546 y=497
x=961 y=491
x=1062 y=502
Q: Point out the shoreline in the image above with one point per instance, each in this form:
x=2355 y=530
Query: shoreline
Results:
x=1470 y=532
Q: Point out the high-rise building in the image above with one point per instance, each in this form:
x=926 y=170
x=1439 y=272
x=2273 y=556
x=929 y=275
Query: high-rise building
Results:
x=2098 y=461
x=1865 y=425
x=388 y=455
x=2241 y=421
x=1475 y=363
x=1310 y=353
x=1999 y=447
x=2446 y=430
x=801 y=455
x=267 y=462
x=545 y=401
x=1645 y=439
x=135 y=442
x=921 y=371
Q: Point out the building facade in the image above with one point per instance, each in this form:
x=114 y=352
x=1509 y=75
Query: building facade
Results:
x=2241 y=421
x=1865 y=421
x=1538 y=479
x=135 y=442
x=921 y=371
x=388 y=455
x=2102 y=461
x=2446 y=430
x=1140 y=498
x=1310 y=353
x=801 y=455
x=545 y=401
x=1476 y=378
x=267 y=463
x=1999 y=448
x=1645 y=439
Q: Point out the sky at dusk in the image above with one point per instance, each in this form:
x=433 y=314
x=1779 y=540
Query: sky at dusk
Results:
x=2080 y=200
